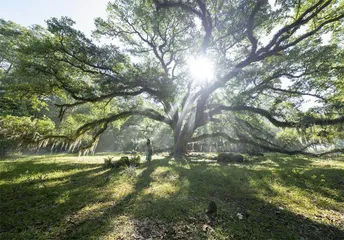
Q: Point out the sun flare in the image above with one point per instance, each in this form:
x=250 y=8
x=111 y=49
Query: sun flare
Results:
x=201 y=69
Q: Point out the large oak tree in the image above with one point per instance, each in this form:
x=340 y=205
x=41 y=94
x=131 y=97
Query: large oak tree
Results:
x=268 y=57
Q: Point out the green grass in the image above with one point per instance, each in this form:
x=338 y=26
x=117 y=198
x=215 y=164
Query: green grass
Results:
x=66 y=197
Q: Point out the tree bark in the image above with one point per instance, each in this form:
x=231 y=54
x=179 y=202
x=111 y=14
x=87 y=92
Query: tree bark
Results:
x=181 y=140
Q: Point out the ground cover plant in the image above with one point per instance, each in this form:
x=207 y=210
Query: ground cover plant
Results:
x=268 y=197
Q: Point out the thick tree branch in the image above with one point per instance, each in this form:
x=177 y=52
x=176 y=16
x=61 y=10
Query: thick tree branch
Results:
x=245 y=140
x=212 y=135
x=296 y=92
x=295 y=25
x=94 y=140
x=150 y=113
x=266 y=52
x=250 y=27
x=204 y=15
x=305 y=122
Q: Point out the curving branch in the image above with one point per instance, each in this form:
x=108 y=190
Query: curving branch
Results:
x=204 y=15
x=81 y=100
x=250 y=26
x=307 y=121
x=218 y=134
x=102 y=124
x=308 y=34
x=120 y=92
x=150 y=113
x=275 y=45
x=297 y=92
x=285 y=32
x=94 y=140
x=244 y=140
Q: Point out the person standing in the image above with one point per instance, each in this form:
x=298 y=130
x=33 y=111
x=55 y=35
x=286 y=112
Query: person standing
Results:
x=149 y=152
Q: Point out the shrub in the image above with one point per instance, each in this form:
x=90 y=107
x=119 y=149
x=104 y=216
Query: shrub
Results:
x=108 y=162
x=230 y=158
x=123 y=161
x=135 y=160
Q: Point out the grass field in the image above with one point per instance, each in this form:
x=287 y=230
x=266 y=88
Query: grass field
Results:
x=270 y=197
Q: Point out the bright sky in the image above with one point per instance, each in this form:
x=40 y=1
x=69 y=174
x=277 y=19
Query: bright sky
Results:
x=29 y=12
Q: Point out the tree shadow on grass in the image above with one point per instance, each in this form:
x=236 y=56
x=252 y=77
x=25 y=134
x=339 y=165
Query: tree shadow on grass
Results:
x=236 y=190
x=306 y=174
x=99 y=225
x=37 y=205
x=231 y=187
x=169 y=198
x=17 y=169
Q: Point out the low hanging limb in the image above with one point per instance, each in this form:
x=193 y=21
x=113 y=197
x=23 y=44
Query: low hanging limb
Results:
x=307 y=121
x=242 y=139
x=94 y=140
x=150 y=113
x=103 y=123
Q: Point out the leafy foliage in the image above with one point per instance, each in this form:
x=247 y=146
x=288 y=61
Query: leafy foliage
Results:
x=22 y=132
x=270 y=59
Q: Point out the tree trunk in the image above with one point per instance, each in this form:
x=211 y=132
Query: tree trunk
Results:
x=180 y=147
x=181 y=141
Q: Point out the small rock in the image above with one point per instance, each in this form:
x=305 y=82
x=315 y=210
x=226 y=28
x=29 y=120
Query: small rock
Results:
x=207 y=227
x=240 y=216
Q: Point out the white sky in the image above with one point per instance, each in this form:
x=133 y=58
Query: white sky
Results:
x=29 y=12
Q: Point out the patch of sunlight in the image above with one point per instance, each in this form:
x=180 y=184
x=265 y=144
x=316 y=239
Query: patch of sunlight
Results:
x=163 y=190
x=90 y=211
x=121 y=189
x=5 y=166
x=95 y=174
x=120 y=227
x=63 y=198
x=33 y=175
x=268 y=162
x=71 y=158
x=329 y=163
x=164 y=174
x=81 y=159
x=158 y=156
x=301 y=201
x=139 y=171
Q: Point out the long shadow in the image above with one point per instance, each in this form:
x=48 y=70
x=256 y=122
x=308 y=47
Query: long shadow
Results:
x=230 y=186
x=259 y=216
x=37 y=207
x=235 y=188
x=97 y=226
x=21 y=168
x=299 y=172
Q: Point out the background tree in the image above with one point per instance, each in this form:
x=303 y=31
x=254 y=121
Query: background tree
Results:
x=267 y=59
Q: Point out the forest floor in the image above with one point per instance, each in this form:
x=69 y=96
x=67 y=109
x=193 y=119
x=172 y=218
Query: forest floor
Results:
x=270 y=197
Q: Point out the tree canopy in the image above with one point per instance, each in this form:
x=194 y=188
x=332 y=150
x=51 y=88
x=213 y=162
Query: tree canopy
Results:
x=270 y=59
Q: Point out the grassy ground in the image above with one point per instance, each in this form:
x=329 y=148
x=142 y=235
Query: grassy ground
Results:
x=271 y=197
